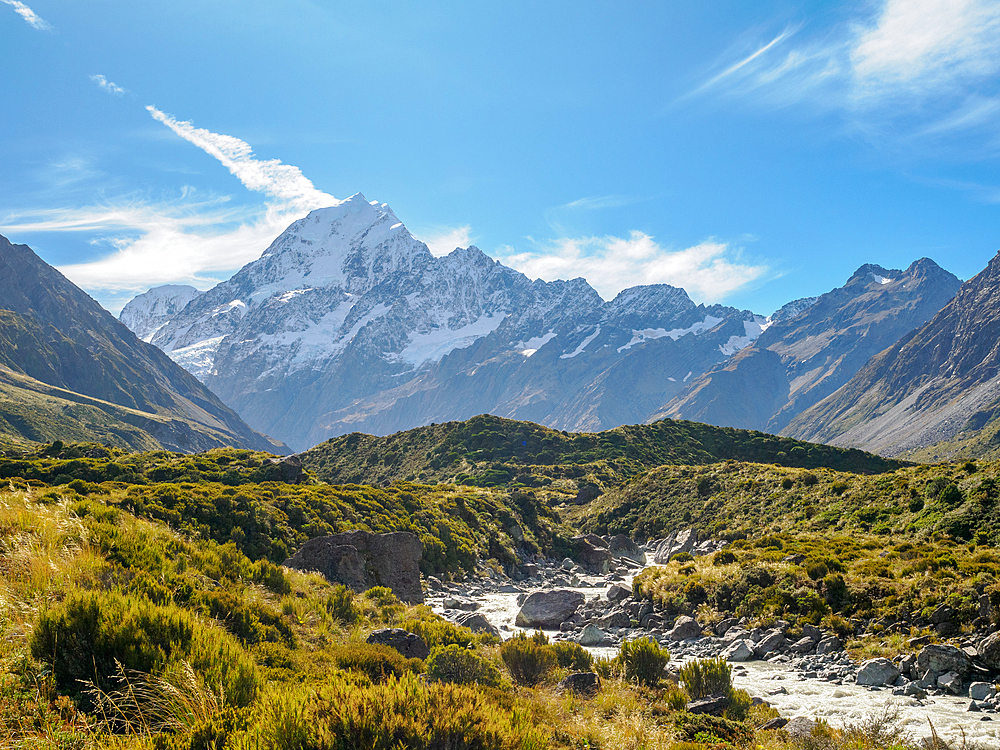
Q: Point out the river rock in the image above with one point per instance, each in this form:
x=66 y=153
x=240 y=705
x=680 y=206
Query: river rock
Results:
x=623 y=546
x=950 y=682
x=548 y=609
x=617 y=618
x=980 y=691
x=723 y=626
x=591 y=636
x=989 y=651
x=477 y=623
x=800 y=727
x=583 y=683
x=878 y=671
x=772 y=642
x=596 y=559
x=362 y=560
x=410 y=645
x=939 y=658
x=675 y=543
x=802 y=646
x=829 y=645
x=685 y=627
x=738 y=650
x=812 y=632
x=618 y=593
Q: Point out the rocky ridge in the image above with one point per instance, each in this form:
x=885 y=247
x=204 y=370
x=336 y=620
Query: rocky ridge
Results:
x=814 y=346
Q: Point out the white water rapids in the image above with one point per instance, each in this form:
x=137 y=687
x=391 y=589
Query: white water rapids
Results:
x=836 y=704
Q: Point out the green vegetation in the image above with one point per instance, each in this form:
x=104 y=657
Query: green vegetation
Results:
x=643 y=661
x=489 y=451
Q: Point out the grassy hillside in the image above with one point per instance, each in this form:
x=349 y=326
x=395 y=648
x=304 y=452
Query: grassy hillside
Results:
x=740 y=499
x=239 y=496
x=490 y=451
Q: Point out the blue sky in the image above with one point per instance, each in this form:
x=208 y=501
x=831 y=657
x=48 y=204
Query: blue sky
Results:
x=749 y=152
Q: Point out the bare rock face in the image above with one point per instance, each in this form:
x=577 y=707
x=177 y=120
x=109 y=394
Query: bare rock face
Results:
x=940 y=658
x=361 y=561
x=548 y=609
x=623 y=546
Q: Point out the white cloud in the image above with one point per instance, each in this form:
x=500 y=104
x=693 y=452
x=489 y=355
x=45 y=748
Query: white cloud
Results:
x=281 y=181
x=191 y=239
x=708 y=271
x=926 y=46
x=911 y=68
x=442 y=240
x=28 y=15
x=110 y=86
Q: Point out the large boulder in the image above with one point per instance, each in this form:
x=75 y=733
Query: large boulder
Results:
x=674 y=544
x=591 y=636
x=618 y=593
x=989 y=651
x=548 y=609
x=477 y=623
x=284 y=469
x=595 y=558
x=738 y=650
x=362 y=560
x=877 y=672
x=410 y=645
x=582 y=683
x=684 y=628
x=623 y=546
x=939 y=658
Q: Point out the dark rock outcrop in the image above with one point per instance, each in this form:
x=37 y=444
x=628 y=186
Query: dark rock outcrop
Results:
x=582 y=683
x=362 y=560
x=594 y=557
x=410 y=645
x=548 y=609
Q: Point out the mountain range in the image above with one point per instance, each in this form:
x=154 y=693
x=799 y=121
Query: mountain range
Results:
x=70 y=370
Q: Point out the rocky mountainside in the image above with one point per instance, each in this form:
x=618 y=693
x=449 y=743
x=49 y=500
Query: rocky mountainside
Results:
x=812 y=347
x=936 y=390
x=149 y=312
x=348 y=323
x=68 y=348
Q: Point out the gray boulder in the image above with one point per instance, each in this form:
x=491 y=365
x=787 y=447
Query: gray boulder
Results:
x=591 y=636
x=989 y=651
x=618 y=593
x=877 y=672
x=939 y=658
x=829 y=645
x=623 y=546
x=675 y=543
x=950 y=682
x=477 y=623
x=410 y=645
x=800 y=727
x=595 y=558
x=362 y=560
x=714 y=705
x=548 y=609
x=739 y=650
x=980 y=691
x=615 y=619
x=284 y=469
x=802 y=646
x=772 y=642
x=685 y=627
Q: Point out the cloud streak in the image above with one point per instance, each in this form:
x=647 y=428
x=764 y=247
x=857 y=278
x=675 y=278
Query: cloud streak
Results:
x=284 y=182
x=30 y=17
x=442 y=240
x=708 y=271
x=912 y=69
x=110 y=86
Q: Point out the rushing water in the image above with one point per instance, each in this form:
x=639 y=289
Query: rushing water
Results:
x=793 y=695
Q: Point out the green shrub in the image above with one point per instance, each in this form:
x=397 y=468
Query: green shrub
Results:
x=573 y=656
x=529 y=660
x=374 y=660
x=816 y=569
x=89 y=633
x=675 y=698
x=439 y=632
x=710 y=730
x=643 y=661
x=461 y=666
x=682 y=557
x=271 y=576
x=251 y=622
x=723 y=557
x=703 y=677
x=340 y=605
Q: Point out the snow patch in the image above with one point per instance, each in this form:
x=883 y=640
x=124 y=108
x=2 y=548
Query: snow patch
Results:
x=583 y=345
x=528 y=352
x=687 y=377
x=536 y=342
x=197 y=359
x=648 y=334
x=752 y=328
x=432 y=346
x=881 y=279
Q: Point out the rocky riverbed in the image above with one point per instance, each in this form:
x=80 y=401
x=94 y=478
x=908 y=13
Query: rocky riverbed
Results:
x=804 y=677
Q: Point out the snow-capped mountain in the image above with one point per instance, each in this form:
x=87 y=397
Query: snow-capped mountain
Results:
x=347 y=322
x=147 y=313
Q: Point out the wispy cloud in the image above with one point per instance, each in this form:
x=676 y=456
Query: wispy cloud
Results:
x=708 y=271
x=910 y=68
x=283 y=182
x=30 y=17
x=442 y=240
x=190 y=238
x=561 y=218
x=110 y=86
